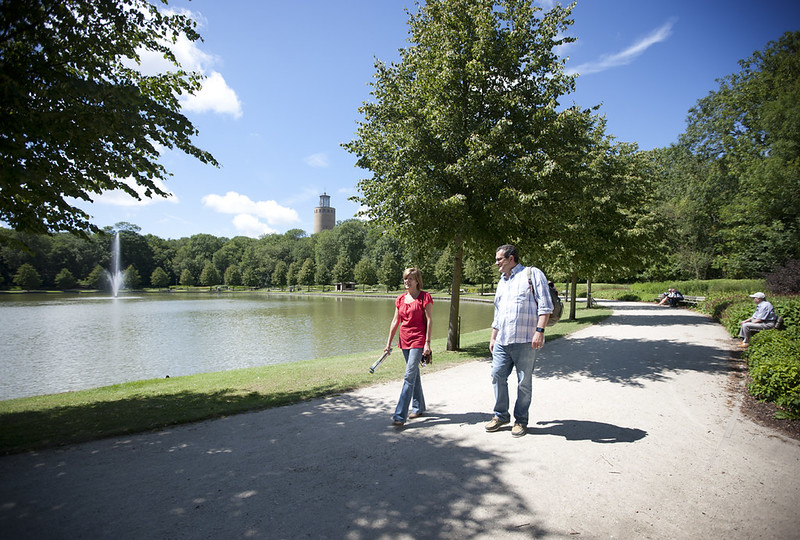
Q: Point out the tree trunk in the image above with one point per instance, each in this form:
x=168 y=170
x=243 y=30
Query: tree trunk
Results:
x=453 y=331
x=574 y=286
x=588 y=293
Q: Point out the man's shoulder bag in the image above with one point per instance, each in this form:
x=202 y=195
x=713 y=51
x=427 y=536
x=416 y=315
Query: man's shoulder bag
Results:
x=558 y=306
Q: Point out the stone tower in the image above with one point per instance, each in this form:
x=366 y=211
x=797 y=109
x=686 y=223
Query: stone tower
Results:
x=324 y=215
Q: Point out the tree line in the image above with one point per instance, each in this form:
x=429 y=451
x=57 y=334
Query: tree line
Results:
x=354 y=251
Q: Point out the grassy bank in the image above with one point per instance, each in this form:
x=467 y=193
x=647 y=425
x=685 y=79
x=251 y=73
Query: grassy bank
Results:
x=58 y=419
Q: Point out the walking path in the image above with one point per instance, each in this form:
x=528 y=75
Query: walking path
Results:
x=634 y=433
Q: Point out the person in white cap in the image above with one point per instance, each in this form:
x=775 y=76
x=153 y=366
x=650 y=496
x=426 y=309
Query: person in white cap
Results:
x=763 y=318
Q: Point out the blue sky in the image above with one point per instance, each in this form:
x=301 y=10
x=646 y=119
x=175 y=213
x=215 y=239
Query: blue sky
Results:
x=285 y=80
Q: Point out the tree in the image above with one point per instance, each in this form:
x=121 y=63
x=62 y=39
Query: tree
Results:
x=233 y=276
x=390 y=272
x=306 y=274
x=463 y=135
x=159 y=278
x=187 y=280
x=65 y=279
x=479 y=271
x=95 y=278
x=132 y=280
x=250 y=278
x=746 y=132
x=27 y=278
x=209 y=276
x=279 y=275
x=343 y=270
x=365 y=273
x=77 y=117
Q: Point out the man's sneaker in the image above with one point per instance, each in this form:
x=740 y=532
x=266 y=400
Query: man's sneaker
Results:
x=495 y=424
x=519 y=430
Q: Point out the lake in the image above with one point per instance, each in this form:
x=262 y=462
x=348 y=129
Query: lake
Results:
x=59 y=342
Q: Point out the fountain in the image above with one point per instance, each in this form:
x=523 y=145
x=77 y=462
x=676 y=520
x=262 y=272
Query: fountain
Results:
x=115 y=276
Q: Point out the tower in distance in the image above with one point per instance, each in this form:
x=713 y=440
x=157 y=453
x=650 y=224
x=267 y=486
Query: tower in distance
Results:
x=324 y=215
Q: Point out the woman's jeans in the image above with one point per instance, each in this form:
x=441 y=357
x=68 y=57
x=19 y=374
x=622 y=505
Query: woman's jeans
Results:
x=411 y=394
x=504 y=358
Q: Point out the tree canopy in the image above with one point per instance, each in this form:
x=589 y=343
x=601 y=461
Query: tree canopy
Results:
x=733 y=180
x=77 y=116
x=464 y=136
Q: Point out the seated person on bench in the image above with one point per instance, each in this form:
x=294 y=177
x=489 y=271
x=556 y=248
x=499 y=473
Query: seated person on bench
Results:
x=763 y=318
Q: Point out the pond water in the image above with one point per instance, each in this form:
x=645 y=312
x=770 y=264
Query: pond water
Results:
x=59 y=343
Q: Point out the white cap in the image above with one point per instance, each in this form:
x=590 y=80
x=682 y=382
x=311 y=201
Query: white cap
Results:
x=758 y=295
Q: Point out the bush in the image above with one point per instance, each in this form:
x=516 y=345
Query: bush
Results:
x=629 y=298
x=774 y=355
x=785 y=279
x=774 y=362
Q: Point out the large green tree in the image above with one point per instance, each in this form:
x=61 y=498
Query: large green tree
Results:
x=77 y=116
x=747 y=134
x=463 y=134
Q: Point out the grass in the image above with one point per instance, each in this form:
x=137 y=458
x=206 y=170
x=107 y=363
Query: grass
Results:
x=57 y=419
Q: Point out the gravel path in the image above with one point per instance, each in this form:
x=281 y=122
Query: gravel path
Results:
x=634 y=433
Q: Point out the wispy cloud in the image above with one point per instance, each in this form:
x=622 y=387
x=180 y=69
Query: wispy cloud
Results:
x=318 y=161
x=626 y=56
x=249 y=214
x=118 y=197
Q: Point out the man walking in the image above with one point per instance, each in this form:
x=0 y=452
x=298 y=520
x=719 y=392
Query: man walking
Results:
x=522 y=306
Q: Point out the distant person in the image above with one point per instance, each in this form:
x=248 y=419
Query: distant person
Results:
x=671 y=297
x=763 y=318
x=675 y=298
x=522 y=306
x=413 y=314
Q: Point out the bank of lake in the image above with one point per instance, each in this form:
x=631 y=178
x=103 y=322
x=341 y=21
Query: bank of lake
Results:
x=58 y=419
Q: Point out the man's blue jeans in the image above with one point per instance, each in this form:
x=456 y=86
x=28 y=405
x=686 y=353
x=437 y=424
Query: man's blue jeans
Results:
x=411 y=394
x=505 y=358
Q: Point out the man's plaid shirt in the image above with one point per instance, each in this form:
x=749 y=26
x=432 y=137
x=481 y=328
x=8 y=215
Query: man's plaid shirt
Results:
x=516 y=311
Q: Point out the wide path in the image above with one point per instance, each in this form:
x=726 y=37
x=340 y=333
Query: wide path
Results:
x=635 y=433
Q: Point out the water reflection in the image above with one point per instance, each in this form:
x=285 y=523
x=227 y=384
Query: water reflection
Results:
x=54 y=344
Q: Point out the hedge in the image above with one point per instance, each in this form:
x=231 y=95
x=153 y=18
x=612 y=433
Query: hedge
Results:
x=773 y=356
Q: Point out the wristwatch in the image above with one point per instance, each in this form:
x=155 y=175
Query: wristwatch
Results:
x=540 y=329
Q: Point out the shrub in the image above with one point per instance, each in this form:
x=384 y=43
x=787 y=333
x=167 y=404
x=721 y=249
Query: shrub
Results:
x=774 y=355
x=629 y=298
x=774 y=362
x=785 y=279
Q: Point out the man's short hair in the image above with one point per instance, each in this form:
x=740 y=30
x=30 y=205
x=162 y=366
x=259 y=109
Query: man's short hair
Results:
x=509 y=251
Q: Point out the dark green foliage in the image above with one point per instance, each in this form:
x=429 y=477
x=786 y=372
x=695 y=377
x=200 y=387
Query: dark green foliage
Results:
x=65 y=280
x=774 y=361
x=75 y=117
x=785 y=279
x=27 y=277
x=629 y=298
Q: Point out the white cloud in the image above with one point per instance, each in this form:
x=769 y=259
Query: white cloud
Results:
x=117 y=197
x=249 y=213
x=250 y=225
x=318 y=161
x=626 y=56
x=215 y=96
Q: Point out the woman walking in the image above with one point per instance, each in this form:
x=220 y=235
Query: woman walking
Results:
x=413 y=315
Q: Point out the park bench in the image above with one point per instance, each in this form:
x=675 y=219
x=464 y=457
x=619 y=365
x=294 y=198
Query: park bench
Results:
x=694 y=300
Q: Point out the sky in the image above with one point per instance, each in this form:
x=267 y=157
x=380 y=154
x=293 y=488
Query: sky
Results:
x=285 y=81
